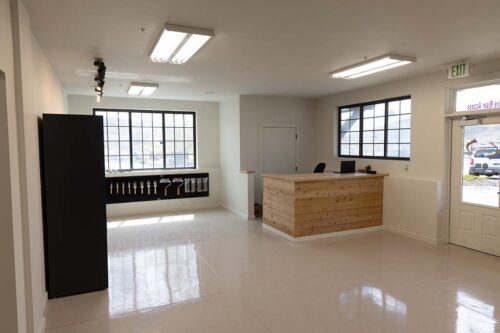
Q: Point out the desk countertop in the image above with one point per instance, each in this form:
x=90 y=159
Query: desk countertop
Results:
x=308 y=177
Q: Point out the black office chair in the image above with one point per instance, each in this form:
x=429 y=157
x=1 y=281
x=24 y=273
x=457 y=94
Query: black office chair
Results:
x=320 y=168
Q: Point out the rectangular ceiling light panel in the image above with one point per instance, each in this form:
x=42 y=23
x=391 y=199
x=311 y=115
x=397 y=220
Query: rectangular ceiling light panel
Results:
x=142 y=89
x=177 y=44
x=371 y=66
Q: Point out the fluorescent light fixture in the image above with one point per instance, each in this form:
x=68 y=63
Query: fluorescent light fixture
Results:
x=177 y=44
x=372 y=66
x=142 y=89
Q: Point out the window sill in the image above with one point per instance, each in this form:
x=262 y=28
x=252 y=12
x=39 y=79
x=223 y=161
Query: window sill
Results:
x=150 y=172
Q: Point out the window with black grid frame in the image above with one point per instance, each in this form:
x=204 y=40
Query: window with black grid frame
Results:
x=378 y=130
x=141 y=140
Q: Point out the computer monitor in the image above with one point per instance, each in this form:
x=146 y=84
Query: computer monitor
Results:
x=347 y=167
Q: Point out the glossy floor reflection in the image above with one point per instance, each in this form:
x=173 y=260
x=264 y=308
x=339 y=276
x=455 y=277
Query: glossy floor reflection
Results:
x=212 y=271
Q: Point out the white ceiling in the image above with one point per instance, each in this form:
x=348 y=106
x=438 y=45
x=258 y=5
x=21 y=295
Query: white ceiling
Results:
x=268 y=47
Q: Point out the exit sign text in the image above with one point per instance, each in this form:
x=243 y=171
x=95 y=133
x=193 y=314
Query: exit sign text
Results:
x=459 y=70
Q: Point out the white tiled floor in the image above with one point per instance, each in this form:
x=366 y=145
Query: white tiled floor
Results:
x=212 y=271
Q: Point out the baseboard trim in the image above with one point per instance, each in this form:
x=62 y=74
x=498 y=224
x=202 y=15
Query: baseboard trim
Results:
x=412 y=235
x=321 y=236
x=236 y=212
x=43 y=323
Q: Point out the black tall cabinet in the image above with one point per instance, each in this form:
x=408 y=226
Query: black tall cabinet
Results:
x=74 y=200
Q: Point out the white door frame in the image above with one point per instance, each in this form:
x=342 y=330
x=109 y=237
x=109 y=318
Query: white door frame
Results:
x=449 y=116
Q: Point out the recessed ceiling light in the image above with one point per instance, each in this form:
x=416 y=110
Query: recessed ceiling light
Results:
x=372 y=66
x=142 y=89
x=177 y=44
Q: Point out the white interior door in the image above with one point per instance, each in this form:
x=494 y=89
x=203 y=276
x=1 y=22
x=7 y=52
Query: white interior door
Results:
x=475 y=185
x=278 y=153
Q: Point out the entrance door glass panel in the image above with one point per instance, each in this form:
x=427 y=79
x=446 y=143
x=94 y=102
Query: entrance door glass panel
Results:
x=481 y=165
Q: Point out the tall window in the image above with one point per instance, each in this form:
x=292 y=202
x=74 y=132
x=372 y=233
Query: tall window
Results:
x=380 y=129
x=138 y=140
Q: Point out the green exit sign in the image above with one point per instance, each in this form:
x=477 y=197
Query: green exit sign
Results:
x=459 y=70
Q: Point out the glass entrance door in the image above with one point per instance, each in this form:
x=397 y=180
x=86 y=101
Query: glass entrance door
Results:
x=475 y=190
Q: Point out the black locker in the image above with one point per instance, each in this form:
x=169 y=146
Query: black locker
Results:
x=74 y=202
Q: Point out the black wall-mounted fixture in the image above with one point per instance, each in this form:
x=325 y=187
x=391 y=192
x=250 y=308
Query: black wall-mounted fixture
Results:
x=99 y=78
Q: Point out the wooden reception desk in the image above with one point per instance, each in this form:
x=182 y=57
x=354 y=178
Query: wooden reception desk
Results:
x=311 y=204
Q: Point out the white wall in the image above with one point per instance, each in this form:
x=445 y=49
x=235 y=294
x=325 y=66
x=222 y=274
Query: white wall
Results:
x=427 y=168
x=258 y=111
x=207 y=137
x=37 y=91
x=235 y=185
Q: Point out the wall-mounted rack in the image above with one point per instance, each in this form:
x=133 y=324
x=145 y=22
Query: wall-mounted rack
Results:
x=157 y=187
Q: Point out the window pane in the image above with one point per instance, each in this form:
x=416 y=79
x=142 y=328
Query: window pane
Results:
x=157 y=120
x=189 y=147
x=157 y=134
x=125 y=162
x=354 y=137
x=147 y=119
x=406 y=121
x=378 y=150
x=179 y=120
x=113 y=133
x=367 y=150
x=355 y=113
x=188 y=120
x=393 y=108
x=158 y=147
x=189 y=161
x=368 y=124
x=406 y=106
x=368 y=111
x=378 y=137
x=344 y=126
x=345 y=114
x=354 y=150
x=379 y=123
x=393 y=122
x=179 y=147
x=147 y=133
x=367 y=137
x=169 y=147
x=344 y=137
x=169 y=120
x=138 y=162
x=124 y=134
x=170 y=161
x=179 y=134
x=114 y=163
x=137 y=148
x=380 y=110
x=123 y=118
x=344 y=149
x=112 y=119
x=169 y=134
x=393 y=150
x=354 y=125
x=148 y=162
x=393 y=136
x=106 y=148
x=404 y=136
x=404 y=150
x=136 y=119
x=136 y=134
x=147 y=148
x=114 y=148
x=125 y=148
x=158 y=161
x=179 y=161
x=188 y=133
